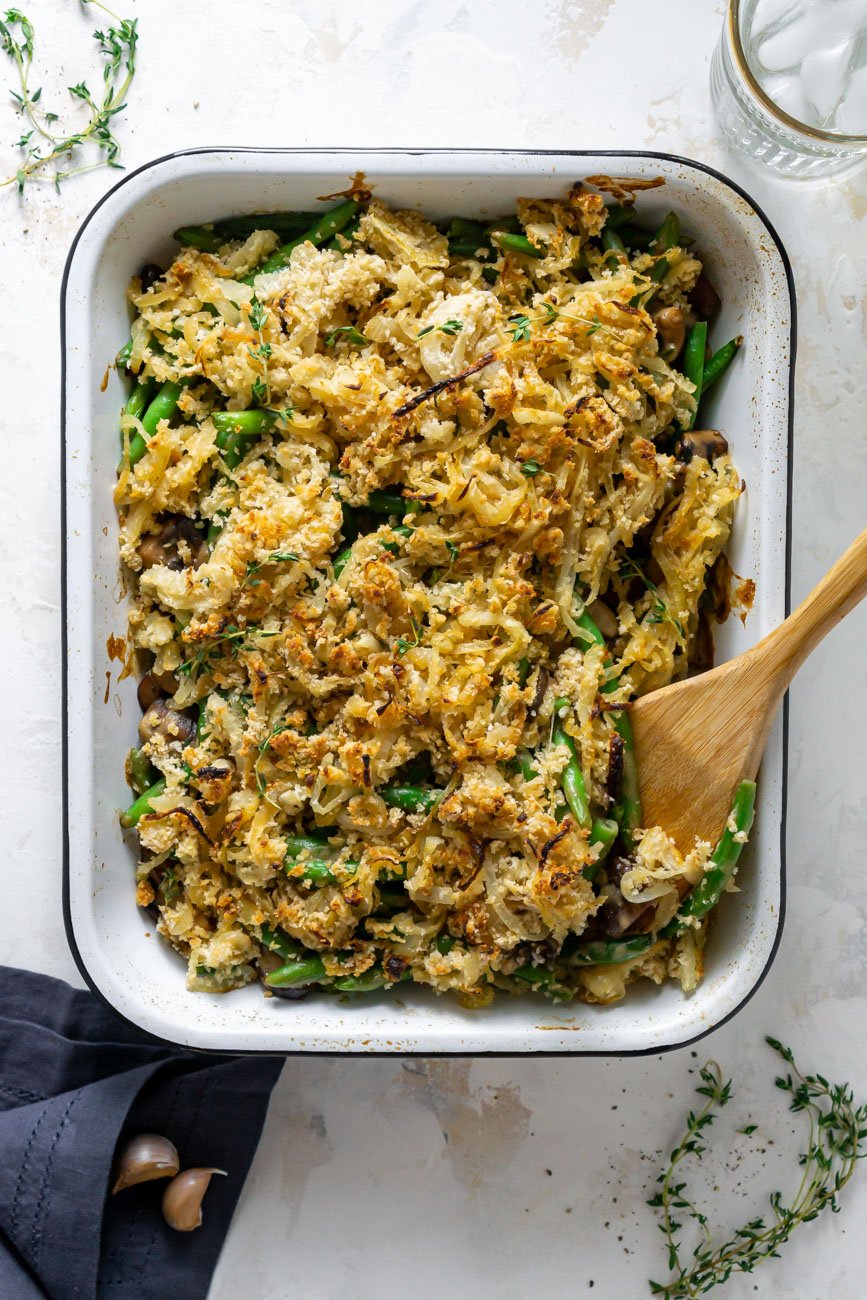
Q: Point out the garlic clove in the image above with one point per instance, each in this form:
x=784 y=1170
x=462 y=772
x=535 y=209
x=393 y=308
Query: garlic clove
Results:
x=144 y=1158
x=182 y=1199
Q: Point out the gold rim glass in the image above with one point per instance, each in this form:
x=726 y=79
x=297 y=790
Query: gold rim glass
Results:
x=774 y=110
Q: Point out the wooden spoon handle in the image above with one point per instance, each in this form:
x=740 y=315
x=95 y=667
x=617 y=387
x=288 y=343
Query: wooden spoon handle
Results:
x=842 y=588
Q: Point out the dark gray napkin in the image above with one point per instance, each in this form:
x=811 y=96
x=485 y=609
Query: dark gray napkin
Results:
x=74 y=1080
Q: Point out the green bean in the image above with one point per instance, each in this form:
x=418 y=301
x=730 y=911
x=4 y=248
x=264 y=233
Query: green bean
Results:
x=142 y=804
x=504 y=225
x=660 y=270
x=719 y=362
x=336 y=242
x=393 y=547
x=722 y=863
x=316 y=872
x=589 y=628
x=300 y=970
x=516 y=244
x=524 y=670
x=572 y=780
x=248 y=423
x=296 y=844
x=536 y=975
x=464 y=228
x=215 y=527
x=236 y=430
x=381 y=502
x=618 y=215
x=202 y=719
x=523 y=761
x=628 y=812
x=139 y=398
x=279 y=942
x=319 y=233
x=668 y=234
x=693 y=363
x=612 y=243
x=121 y=361
x=366 y=983
x=445 y=943
x=410 y=798
x=342 y=560
x=600 y=953
x=603 y=832
x=162 y=407
x=635 y=237
x=199 y=237
x=285 y=224
x=140 y=771
x=466 y=248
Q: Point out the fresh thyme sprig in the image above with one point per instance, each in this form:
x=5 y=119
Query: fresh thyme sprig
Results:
x=44 y=149
x=276 y=557
x=521 y=325
x=659 y=612
x=837 y=1140
x=261 y=388
x=353 y=335
x=448 y=327
x=234 y=638
x=402 y=644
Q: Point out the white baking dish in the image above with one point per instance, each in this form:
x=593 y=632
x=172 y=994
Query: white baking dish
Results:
x=114 y=944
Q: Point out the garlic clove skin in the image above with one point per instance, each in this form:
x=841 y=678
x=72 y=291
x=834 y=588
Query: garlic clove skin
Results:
x=144 y=1158
x=182 y=1199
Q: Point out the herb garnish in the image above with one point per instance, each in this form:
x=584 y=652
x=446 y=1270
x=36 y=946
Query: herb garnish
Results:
x=521 y=324
x=276 y=557
x=531 y=468
x=261 y=783
x=659 y=613
x=402 y=644
x=260 y=388
x=449 y=327
x=44 y=148
x=233 y=636
x=352 y=334
x=837 y=1141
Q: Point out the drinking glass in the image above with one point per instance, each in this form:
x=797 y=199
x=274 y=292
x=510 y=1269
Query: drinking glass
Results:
x=789 y=83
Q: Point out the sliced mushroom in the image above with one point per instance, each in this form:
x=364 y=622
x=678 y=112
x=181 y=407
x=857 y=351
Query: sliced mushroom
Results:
x=701 y=652
x=143 y=1159
x=149 y=275
x=670 y=325
x=153 y=686
x=604 y=618
x=177 y=539
x=704 y=298
x=616 y=916
x=542 y=679
x=707 y=443
x=182 y=1199
x=162 y=720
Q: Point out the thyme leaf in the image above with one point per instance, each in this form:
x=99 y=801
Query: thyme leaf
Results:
x=353 y=335
x=836 y=1141
x=48 y=155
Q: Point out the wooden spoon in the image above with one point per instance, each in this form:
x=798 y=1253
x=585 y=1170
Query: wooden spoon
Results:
x=697 y=739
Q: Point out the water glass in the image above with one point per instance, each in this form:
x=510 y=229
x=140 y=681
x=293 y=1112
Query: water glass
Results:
x=789 y=83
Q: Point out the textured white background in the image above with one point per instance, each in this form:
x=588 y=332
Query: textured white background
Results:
x=497 y=1178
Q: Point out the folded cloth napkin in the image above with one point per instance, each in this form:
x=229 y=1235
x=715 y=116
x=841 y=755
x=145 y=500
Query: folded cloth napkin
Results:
x=75 y=1080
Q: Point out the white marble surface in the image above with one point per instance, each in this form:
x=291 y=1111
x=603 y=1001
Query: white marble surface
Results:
x=433 y=1176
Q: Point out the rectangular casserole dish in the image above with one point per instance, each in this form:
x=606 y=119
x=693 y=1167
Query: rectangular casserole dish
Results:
x=115 y=945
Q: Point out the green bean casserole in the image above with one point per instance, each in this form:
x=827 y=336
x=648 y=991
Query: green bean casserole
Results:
x=410 y=510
